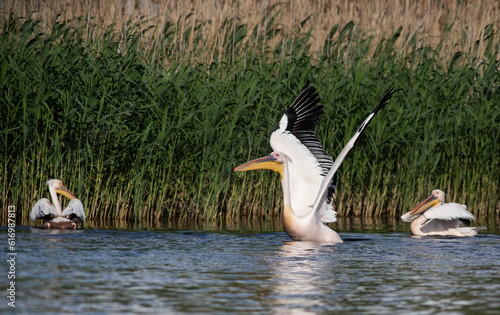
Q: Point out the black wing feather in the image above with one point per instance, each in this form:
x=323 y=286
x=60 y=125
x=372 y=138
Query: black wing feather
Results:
x=303 y=116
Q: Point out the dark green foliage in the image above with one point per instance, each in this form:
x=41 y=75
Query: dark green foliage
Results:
x=138 y=140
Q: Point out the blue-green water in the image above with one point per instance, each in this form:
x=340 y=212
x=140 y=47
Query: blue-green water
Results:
x=254 y=269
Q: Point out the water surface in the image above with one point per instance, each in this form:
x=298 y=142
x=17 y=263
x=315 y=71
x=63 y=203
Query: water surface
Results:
x=221 y=269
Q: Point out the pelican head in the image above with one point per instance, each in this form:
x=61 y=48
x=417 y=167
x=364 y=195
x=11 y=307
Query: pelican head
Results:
x=273 y=162
x=436 y=198
x=59 y=188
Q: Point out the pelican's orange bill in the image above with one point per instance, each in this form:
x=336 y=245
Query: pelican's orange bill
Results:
x=267 y=162
x=426 y=204
x=65 y=192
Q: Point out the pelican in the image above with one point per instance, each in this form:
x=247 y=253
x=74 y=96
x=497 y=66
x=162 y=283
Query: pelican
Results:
x=308 y=175
x=434 y=217
x=52 y=215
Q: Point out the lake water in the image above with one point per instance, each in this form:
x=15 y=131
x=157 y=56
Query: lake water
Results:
x=251 y=268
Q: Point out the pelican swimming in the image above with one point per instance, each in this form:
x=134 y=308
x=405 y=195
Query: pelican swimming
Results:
x=52 y=215
x=434 y=217
x=308 y=175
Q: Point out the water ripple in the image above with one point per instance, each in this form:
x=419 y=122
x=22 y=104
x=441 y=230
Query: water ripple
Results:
x=99 y=271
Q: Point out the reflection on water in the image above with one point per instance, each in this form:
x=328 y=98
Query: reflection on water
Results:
x=299 y=275
x=224 y=268
x=343 y=224
x=242 y=224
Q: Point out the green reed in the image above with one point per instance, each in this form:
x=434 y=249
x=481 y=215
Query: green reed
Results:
x=138 y=133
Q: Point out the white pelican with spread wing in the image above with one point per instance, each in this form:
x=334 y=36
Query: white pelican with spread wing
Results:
x=434 y=217
x=52 y=215
x=308 y=175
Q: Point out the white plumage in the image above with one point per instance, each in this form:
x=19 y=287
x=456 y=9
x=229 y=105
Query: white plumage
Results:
x=43 y=208
x=308 y=162
x=449 y=211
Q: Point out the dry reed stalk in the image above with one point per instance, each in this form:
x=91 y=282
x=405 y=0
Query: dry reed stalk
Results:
x=454 y=24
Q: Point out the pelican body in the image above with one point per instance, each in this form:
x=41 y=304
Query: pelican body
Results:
x=308 y=227
x=434 y=217
x=308 y=175
x=52 y=215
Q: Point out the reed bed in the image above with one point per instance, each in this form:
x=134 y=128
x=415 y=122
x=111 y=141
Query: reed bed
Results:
x=149 y=128
x=206 y=31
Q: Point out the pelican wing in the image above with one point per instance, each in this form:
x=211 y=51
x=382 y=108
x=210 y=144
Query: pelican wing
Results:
x=449 y=211
x=303 y=116
x=74 y=211
x=309 y=163
x=322 y=195
x=43 y=209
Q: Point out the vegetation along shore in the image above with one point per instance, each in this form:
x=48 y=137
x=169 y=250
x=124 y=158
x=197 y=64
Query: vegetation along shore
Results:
x=143 y=108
